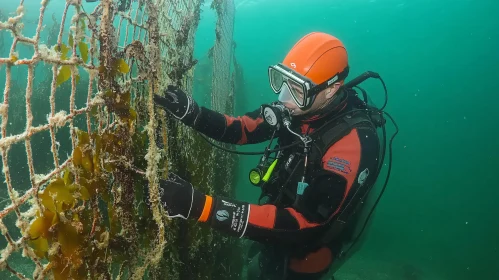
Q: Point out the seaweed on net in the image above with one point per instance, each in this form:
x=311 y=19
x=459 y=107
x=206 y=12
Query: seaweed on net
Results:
x=181 y=66
x=88 y=217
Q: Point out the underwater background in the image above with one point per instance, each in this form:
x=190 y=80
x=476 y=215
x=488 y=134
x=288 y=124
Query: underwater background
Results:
x=440 y=62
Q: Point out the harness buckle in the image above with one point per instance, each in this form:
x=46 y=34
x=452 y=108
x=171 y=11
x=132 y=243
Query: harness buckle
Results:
x=307 y=140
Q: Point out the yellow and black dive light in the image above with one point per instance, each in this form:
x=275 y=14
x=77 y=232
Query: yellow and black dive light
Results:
x=261 y=173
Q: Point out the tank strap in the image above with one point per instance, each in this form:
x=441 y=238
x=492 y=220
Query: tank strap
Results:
x=338 y=130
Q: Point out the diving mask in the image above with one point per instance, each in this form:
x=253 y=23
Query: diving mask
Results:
x=291 y=85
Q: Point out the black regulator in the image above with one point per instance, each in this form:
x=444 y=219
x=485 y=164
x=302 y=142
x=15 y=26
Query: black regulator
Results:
x=278 y=116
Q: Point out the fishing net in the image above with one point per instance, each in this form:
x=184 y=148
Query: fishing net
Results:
x=81 y=140
x=222 y=53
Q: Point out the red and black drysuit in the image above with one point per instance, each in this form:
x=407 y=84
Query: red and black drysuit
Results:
x=333 y=176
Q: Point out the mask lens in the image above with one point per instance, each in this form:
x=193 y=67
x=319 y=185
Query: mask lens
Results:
x=297 y=91
x=276 y=80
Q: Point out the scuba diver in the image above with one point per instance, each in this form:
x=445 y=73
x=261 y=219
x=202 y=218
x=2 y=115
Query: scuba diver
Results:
x=315 y=179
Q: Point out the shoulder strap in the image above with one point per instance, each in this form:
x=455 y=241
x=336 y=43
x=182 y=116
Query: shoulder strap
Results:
x=337 y=130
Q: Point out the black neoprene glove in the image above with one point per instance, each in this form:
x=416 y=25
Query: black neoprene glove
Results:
x=179 y=104
x=179 y=198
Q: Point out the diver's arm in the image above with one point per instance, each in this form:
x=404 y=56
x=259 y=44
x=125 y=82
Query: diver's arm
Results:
x=247 y=129
x=237 y=218
x=268 y=223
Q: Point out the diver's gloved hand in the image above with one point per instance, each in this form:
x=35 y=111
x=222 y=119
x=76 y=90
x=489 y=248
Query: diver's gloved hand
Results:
x=179 y=104
x=179 y=198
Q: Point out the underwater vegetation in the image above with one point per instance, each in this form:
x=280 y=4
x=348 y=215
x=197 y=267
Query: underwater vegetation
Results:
x=87 y=217
x=70 y=232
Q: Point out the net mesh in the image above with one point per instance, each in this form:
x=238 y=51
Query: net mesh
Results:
x=222 y=54
x=84 y=216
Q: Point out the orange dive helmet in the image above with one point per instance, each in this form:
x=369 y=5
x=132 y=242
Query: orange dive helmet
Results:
x=315 y=62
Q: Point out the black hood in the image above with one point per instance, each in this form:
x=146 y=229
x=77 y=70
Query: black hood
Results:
x=338 y=105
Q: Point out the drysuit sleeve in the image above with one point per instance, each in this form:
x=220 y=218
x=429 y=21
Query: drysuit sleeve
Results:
x=247 y=129
x=342 y=164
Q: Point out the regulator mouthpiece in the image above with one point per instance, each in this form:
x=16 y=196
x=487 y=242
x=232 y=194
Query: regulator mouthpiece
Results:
x=276 y=114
